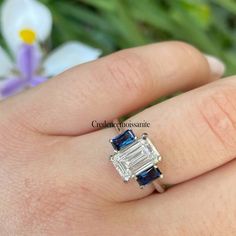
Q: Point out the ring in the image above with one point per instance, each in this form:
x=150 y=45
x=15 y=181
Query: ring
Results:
x=136 y=158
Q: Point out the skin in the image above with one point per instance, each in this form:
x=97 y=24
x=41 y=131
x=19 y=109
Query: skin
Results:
x=55 y=175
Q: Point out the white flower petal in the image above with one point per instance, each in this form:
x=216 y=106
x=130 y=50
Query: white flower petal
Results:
x=5 y=64
x=68 y=55
x=24 y=14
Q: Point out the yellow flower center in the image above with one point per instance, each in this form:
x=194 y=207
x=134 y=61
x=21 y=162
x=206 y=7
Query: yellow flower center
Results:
x=28 y=36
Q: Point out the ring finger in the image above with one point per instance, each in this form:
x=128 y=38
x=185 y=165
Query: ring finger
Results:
x=194 y=133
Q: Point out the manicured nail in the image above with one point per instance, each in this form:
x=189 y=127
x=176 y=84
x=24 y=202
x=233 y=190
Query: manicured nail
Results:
x=217 y=67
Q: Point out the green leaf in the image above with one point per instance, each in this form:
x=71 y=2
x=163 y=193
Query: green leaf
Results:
x=229 y=5
x=102 y=4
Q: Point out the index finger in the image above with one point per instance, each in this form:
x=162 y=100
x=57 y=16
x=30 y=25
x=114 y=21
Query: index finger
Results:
x=110 y=87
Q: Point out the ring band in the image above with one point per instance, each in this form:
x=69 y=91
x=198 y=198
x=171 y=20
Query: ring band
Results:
x=136 y=158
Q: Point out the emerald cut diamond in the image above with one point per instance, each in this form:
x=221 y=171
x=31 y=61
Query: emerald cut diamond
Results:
x=135 y=158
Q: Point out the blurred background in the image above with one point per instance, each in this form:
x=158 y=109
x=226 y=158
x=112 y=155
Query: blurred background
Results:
x=111 y=25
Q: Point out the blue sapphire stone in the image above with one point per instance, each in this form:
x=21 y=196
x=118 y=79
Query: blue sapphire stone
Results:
x=148 y=176
x=123 y=140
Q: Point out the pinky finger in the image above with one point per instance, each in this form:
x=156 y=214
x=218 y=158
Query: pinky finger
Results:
x=203 y=206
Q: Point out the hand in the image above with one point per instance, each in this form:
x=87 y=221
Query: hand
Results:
x=55 y=175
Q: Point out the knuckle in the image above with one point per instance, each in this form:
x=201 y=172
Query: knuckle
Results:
x=129 y=72
x=196 y=60
x=218 y=108
x=186 y=48
x=193 y=64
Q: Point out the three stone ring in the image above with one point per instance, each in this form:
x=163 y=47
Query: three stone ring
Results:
x=136 y=158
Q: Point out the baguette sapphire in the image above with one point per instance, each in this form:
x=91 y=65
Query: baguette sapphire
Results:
x=148 y=176
x=123 y=140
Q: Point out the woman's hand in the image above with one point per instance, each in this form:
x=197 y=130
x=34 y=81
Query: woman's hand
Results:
x=56 y=178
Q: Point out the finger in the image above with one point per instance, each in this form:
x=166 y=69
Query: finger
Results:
x=205 y=205
x=194 y=132
x=112 y=86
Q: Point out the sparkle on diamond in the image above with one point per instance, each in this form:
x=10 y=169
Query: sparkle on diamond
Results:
x=135 y=158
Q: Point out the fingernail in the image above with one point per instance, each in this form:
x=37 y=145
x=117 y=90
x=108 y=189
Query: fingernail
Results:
x=217 y=67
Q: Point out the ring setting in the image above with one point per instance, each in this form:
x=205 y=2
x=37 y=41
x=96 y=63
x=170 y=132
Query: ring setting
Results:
x=135 y=158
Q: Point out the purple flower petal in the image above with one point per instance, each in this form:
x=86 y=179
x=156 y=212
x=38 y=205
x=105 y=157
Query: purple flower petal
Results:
x=36 y=80
x=28 y=59
x=13 y=86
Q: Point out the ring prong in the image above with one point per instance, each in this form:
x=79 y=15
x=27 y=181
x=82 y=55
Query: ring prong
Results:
x=144 y=136
x=140 y=186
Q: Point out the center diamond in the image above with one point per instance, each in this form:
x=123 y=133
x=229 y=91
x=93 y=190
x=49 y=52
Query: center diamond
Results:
x=136 y=158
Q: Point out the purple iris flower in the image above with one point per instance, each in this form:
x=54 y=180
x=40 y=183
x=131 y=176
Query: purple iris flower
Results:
x=25 y=25
x=28 y=61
